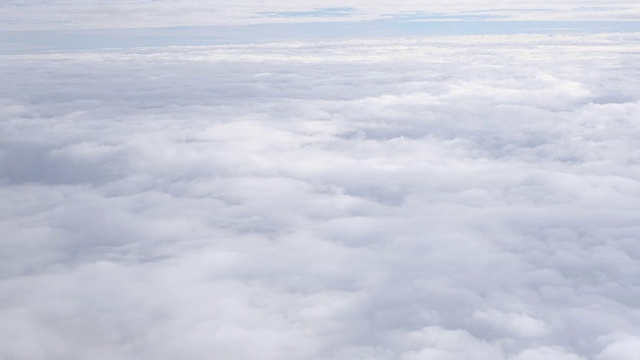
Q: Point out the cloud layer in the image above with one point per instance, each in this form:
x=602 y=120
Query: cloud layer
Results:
x=440 y=198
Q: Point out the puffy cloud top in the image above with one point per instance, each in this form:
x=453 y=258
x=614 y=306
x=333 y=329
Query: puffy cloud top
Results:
x=437 y=198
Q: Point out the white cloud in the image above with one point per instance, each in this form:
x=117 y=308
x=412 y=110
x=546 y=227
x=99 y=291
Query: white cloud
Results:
x=370 y=199
x=621 y=346
x=513 y=324
x=546 y=353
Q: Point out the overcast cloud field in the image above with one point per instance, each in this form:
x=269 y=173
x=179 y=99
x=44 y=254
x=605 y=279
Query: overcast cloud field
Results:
x=434 y=198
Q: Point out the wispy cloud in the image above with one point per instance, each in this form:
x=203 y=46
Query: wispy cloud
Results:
x=324 y=12
x=422 y=16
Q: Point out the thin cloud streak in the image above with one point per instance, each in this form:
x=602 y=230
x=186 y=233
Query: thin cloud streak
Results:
x=25 y=42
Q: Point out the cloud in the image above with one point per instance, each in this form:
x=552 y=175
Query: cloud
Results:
x=621 y=347
x=436 y=198
x=546 y=353
x=322 y=12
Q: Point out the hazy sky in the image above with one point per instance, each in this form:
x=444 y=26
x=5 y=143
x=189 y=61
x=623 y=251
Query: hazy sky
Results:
x=378 y=190
x=39 y=26
x=97 y=14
